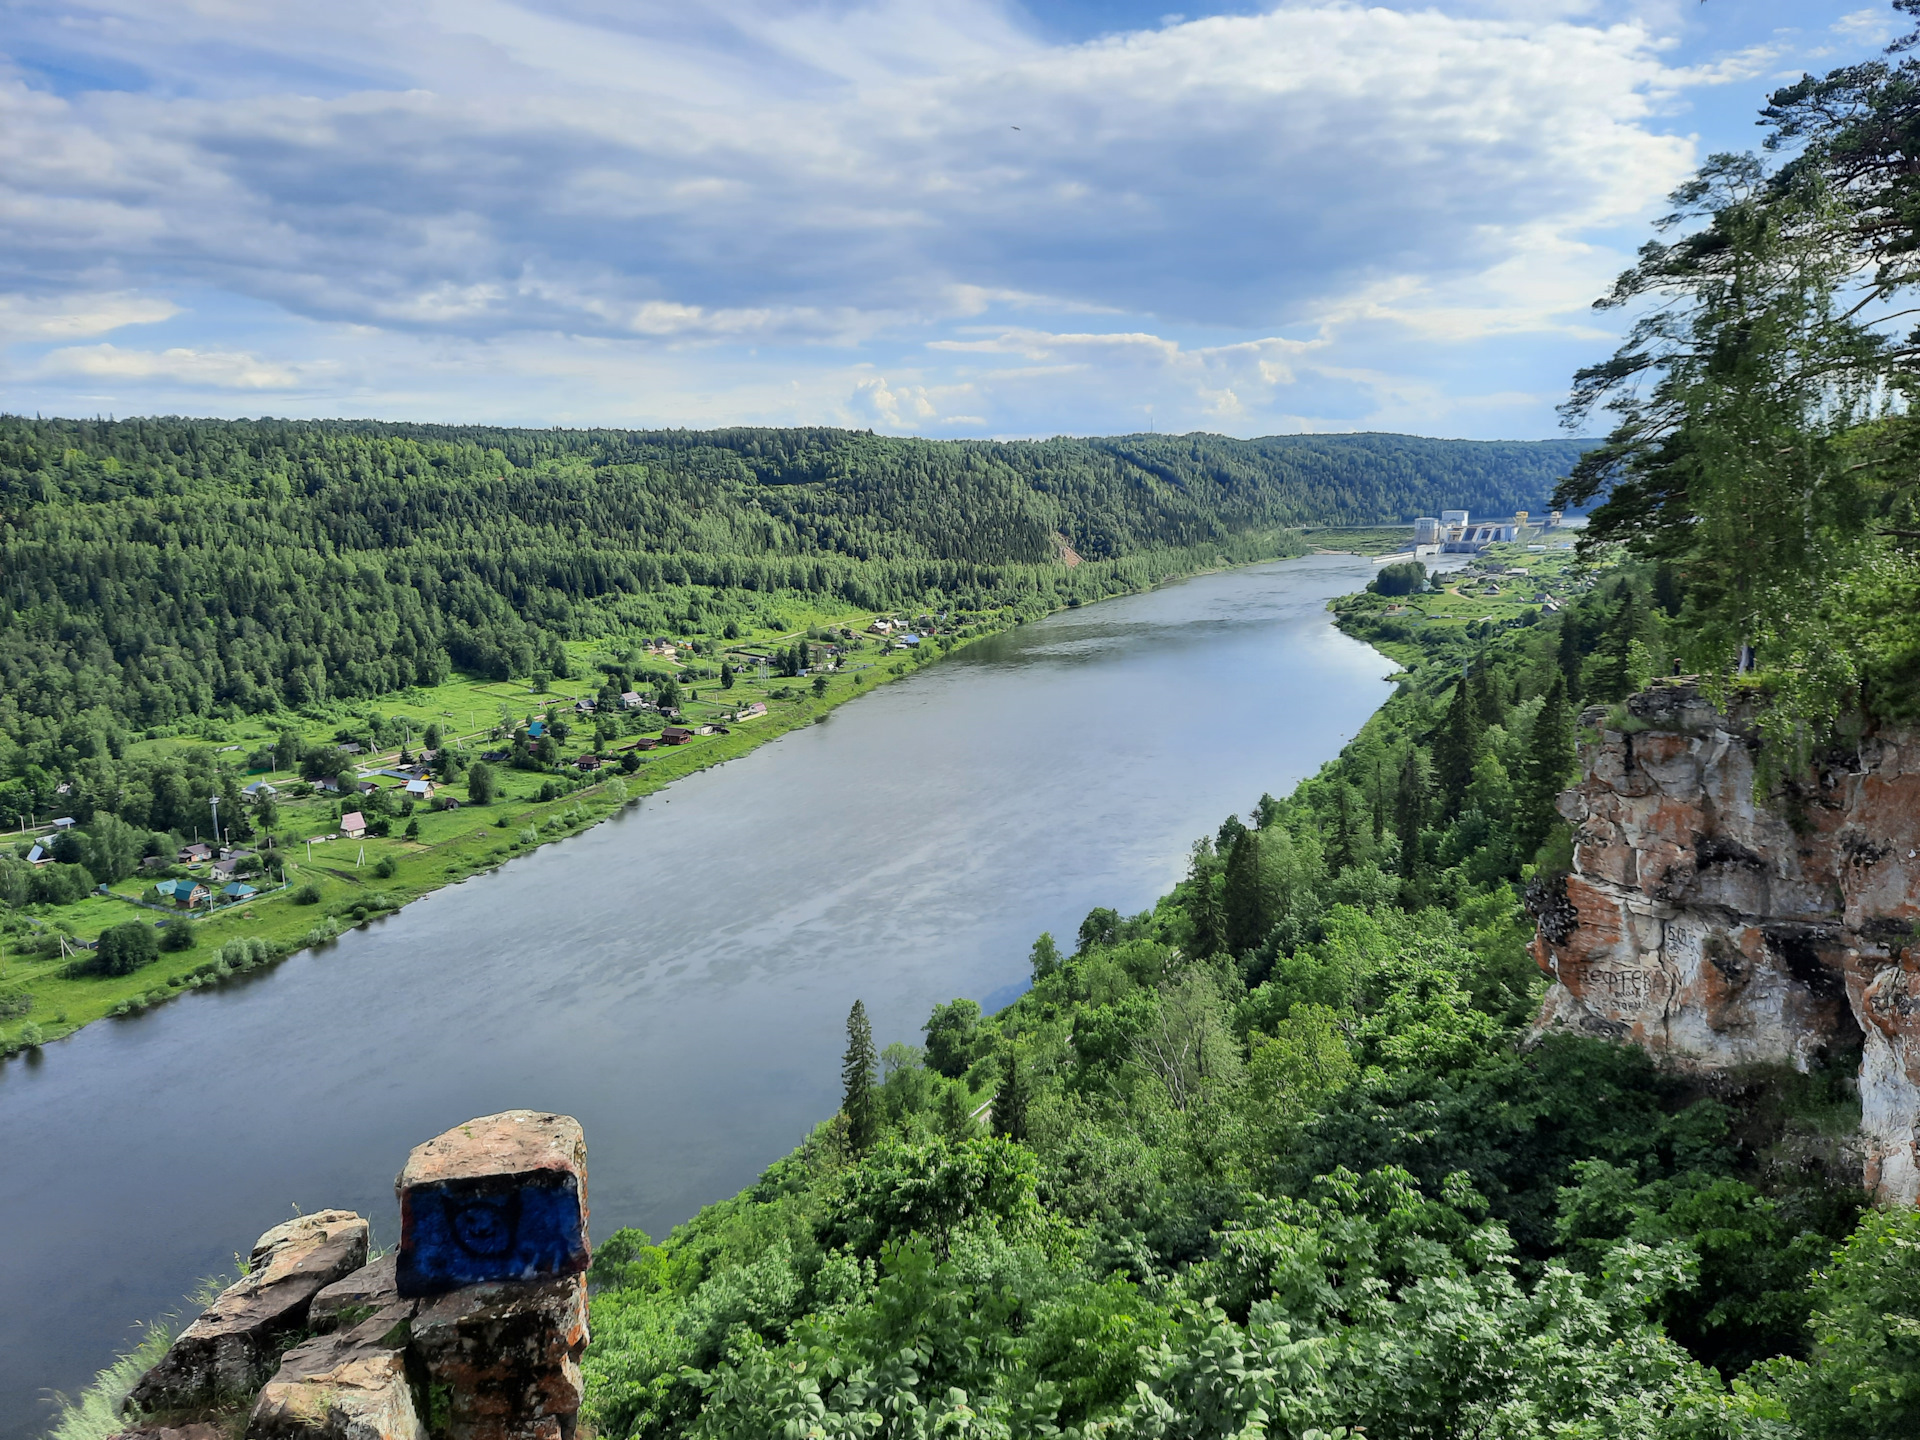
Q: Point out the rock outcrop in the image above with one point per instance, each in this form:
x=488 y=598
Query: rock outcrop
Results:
x=232 y=1346
x=1717 y=931
x=485 y=1302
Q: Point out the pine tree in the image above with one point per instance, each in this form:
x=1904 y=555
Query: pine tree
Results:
x=1379 y=807
x=1010 y=1100
x=726 y=676
x=856 y=1075
x=1550 y=758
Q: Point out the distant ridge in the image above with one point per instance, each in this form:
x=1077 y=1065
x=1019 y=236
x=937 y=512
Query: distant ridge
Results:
x=154 y=569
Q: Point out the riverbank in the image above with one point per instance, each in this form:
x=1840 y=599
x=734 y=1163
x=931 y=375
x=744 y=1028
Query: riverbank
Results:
x=677 y=977
x=335 y=881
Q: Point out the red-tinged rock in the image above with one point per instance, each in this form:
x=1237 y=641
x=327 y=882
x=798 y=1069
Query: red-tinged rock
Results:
x=356 y=1384
x=1716 y=932
x=502 y=1198
x=509 y=1355
x=232 y=1347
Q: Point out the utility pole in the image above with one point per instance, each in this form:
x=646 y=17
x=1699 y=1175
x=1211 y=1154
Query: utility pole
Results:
x=214 y=801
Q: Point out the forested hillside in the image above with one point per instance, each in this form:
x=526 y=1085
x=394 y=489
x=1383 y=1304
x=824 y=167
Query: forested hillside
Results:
x=1271 y=1158
x=157 y=569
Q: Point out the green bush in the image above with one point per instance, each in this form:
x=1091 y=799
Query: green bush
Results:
x=122 y=950
x=307 y=894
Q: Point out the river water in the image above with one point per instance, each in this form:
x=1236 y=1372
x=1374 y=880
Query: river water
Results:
x=678 y=978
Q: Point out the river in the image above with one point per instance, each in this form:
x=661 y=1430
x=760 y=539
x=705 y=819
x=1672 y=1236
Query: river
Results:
x=679 y=977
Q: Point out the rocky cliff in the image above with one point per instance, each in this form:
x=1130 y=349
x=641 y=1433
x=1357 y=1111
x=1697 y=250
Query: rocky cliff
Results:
x=1718 y=931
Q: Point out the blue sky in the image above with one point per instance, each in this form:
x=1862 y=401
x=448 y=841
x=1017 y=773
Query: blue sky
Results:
x=941 y=217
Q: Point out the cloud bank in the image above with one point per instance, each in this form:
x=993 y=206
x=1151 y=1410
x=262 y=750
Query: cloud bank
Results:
x=913 y=215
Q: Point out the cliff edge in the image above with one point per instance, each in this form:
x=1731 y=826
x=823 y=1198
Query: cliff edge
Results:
x=1716 y=931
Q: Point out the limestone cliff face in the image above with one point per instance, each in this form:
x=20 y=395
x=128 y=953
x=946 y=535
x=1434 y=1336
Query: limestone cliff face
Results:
x=1717 y=932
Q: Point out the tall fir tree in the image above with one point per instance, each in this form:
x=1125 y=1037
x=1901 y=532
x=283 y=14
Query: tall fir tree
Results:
x=856 y=1078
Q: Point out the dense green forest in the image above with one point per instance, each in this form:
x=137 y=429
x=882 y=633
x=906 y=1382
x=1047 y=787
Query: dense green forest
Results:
x=155 y=572
x=1279 y=1156
x=1273 y=1158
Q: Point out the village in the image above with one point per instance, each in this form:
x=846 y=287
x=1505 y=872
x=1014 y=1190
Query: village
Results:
x=337 y=819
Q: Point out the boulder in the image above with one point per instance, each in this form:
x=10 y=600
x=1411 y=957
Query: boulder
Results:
x=498 y=1199
x=369 y=1288
x=351 y=1385
x=509 y=1355
x=231 y=1348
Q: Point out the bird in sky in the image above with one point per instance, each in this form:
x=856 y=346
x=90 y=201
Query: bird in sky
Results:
x=1016 y=127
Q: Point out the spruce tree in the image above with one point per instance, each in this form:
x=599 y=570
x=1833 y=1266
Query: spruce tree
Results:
x=1569 y=655
x=1010 y=1100
x=1241 y=905
x=1409 y=813
x=1342 y=849
x=1550 y=758
x=1455 y=747
x=856 y=1076
x=1488 y=703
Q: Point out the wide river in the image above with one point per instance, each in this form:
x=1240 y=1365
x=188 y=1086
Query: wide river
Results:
x=678 y=978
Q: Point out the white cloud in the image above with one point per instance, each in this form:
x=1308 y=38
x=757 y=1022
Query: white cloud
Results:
x=221 y=369
x=1875 y=26
x=72 y=315
x=754 y=210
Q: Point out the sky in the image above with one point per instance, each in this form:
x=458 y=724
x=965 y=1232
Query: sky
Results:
x=935 y=217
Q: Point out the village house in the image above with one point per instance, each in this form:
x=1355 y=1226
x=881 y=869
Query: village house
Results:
x=65 y=822
x=676 y=735
x=751 y=712
x=585 y=707
x=420 y=789
x=353 y=825
x=238 y=891
x=258 y=789
x=630 y=700
x=40 y=855
x=195 y=854
x=587 y=762
x=183 y=893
